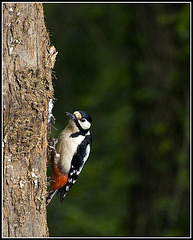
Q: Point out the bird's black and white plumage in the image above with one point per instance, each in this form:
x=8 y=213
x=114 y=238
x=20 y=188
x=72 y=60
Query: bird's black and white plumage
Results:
x=70 y=154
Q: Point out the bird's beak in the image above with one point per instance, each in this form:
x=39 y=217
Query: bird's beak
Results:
x=70 y=115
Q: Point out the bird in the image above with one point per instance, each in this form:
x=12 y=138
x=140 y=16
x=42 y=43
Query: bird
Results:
x=70 y=154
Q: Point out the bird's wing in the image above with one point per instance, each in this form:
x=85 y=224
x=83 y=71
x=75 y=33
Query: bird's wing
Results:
x=78 y=162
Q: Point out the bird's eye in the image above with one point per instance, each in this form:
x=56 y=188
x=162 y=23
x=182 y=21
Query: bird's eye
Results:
x=83 y=120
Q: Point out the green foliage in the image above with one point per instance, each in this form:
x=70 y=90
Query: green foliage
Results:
x=128 y=66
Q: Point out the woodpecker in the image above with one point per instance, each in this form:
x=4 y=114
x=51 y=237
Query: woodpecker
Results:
x=70 y=154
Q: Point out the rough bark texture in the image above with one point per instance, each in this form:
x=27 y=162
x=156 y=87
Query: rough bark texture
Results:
x=28 y=60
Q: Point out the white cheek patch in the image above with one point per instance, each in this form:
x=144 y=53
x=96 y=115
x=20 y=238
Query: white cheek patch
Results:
x=84 y=125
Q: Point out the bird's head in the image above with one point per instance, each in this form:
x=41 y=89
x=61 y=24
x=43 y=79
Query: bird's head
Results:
x=81 y=119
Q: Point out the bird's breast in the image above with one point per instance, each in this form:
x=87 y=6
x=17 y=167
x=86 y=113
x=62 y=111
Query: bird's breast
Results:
x=67 y=149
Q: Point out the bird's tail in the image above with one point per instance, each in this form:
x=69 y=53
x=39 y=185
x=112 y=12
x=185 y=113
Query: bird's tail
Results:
x=50 y=196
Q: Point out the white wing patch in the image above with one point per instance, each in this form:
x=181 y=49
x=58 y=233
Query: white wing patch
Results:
x=87 y=153
x=85 y=158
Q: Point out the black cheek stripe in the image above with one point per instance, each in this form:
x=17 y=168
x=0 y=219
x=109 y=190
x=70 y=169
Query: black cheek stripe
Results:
x=82 y=132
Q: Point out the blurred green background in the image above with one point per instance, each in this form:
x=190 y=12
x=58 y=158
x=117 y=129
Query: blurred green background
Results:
x=128 y=66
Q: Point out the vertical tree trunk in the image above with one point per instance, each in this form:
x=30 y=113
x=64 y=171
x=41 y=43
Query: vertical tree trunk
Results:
x=28 y=60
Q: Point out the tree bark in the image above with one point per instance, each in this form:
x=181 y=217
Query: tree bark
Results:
x=28 y=60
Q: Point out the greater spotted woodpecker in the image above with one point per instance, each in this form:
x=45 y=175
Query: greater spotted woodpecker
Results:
x=70 y=154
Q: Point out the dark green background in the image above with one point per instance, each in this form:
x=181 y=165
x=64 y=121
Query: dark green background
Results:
x=128 y=66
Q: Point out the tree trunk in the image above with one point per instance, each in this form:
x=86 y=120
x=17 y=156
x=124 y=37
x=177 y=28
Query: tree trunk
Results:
x=27 y=90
